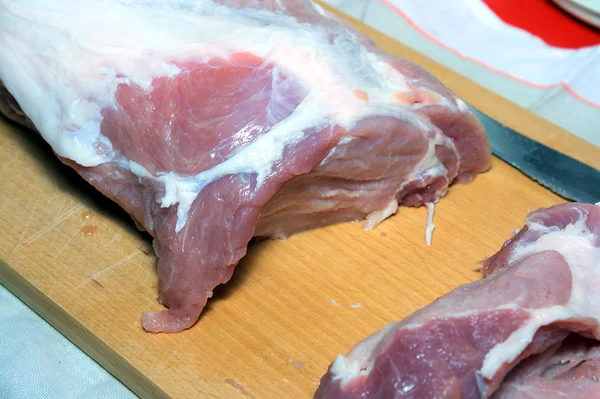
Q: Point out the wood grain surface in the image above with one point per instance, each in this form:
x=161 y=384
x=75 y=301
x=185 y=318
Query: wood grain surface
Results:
x=291 y=307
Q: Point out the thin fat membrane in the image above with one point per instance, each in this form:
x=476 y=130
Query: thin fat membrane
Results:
x=95 y=59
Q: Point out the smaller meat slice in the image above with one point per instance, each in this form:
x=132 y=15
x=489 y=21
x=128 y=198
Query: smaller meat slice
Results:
x=539 y=302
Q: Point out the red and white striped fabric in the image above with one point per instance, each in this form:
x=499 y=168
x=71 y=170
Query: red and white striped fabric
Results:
x=533 y=41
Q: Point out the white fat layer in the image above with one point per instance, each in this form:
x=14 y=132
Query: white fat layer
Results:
x=374 y=218
x=343 y=140
x=339 y=191
x=64 y=60
x=428 y=167
x=430 y=225
x=462 y=107
x=317 y=7
x=577 y=244
x=361 y=358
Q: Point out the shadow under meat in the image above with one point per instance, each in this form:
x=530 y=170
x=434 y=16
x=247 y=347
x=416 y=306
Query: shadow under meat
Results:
x=240 y=275
x=69 y=181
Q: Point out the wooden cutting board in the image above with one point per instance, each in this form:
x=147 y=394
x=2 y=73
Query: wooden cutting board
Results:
x=292 y=305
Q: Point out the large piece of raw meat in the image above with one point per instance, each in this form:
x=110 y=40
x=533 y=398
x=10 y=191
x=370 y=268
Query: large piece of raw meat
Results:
x=213 y=121
x=540 y=302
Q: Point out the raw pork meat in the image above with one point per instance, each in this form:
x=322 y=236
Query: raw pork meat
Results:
x=569 y=369
x=213 y=121
x=541 y=286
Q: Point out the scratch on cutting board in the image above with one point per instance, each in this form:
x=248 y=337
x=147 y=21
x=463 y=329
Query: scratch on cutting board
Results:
x=115 y=264
x=62 y=206
x=109 y=267
x=54 y=223
x=62 y=247
x=139 y=270
x=159 y=368
x=239 y=387
x=31 y=213
x=66 y=243
x=104 y=246
x=117 y=235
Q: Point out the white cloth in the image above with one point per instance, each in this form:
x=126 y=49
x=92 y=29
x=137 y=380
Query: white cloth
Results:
x=37 y=362
x=466 y=36
x=473 y=31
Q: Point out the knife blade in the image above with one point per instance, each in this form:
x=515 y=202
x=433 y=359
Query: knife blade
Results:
x=566 y=176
